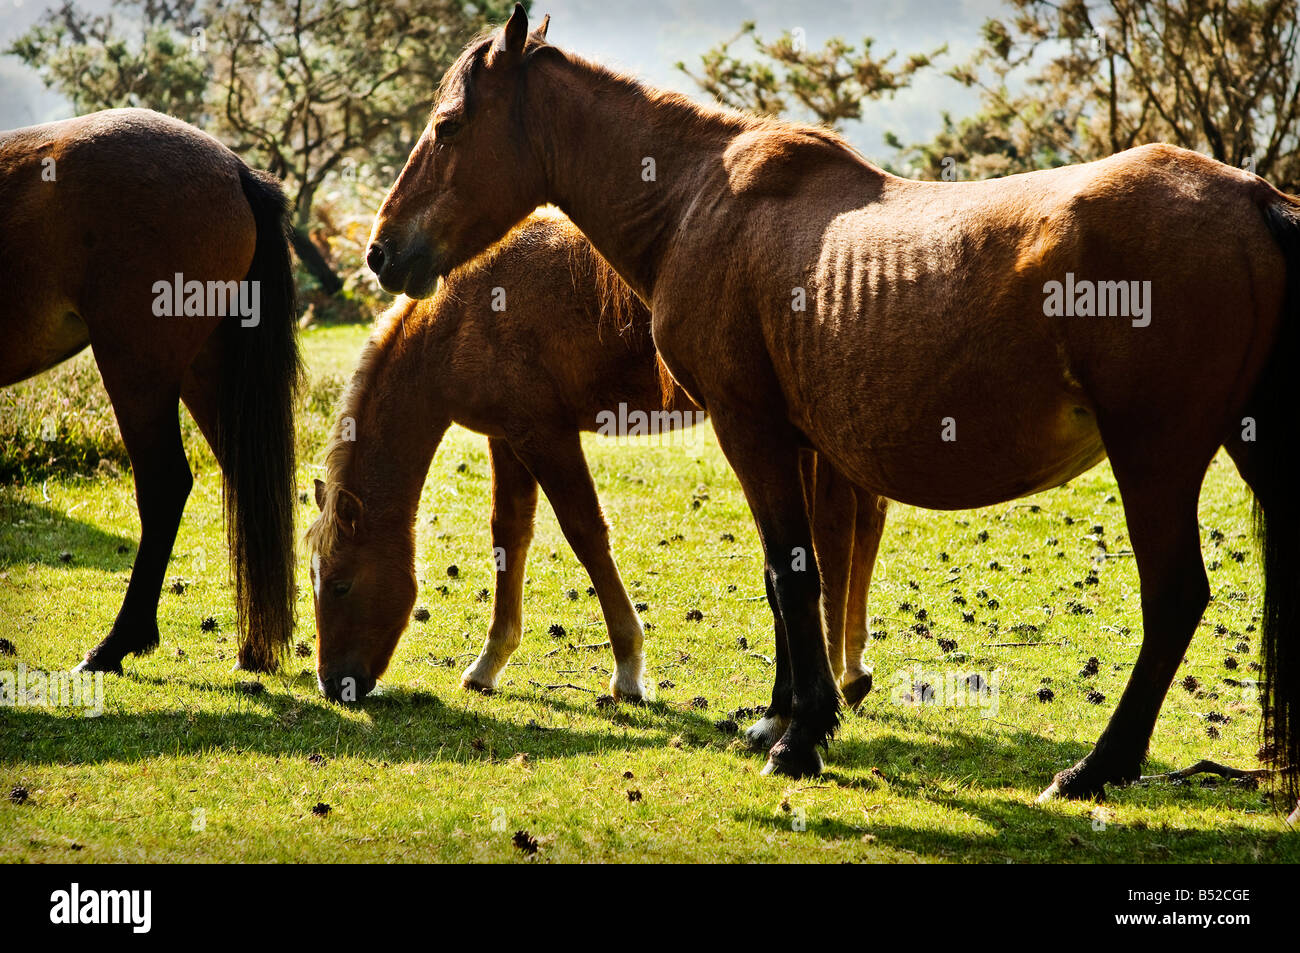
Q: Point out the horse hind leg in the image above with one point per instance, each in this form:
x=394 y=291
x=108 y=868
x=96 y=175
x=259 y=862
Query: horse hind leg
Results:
x=868 y=527
x=514 y=505
x=148 y=420
x=1160 y=492
x=847 y=523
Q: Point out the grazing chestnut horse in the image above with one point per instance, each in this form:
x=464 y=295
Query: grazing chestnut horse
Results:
x=947 y=345
x=153 y=243
x=569 y=346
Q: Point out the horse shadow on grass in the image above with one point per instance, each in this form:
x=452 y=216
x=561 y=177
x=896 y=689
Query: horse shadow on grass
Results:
x=973 y=774
x=961 y=769
x=398 y=725
x=46 y=534
x=405 y=725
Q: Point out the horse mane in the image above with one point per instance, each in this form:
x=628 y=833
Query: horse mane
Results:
x=323 y=535
x=693 y=114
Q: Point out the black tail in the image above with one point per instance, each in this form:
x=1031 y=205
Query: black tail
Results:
x=1276 y=405
x=255 y=436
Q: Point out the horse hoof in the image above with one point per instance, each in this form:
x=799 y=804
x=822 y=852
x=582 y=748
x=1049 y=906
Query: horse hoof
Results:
x=792 y=763
x=1051 y=793
x=472 y=683
x=1076 y=784
x=93 y=664
x=766 y=732
x=254 y=667
x=857 y=690
x=632 y=691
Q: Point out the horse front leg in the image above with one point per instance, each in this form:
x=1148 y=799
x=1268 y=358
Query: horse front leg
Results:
x=765 y=456
x=557 y=461
x=514 y=506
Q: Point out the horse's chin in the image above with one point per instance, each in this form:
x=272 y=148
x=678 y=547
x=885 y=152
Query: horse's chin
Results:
x=421 y=286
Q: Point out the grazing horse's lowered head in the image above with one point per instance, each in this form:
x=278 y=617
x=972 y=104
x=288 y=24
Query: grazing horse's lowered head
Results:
x=431 y=223
x=363 y=590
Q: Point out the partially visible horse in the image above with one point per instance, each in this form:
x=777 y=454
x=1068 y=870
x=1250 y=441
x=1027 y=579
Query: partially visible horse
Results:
x=1145 y=307
x=531 y=345
x=151 y=242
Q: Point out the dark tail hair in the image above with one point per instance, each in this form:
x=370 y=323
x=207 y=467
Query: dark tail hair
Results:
x=1277 y=515
x=261 y=371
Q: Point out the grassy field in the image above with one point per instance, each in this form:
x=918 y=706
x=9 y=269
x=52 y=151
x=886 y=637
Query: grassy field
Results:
x=189 y=762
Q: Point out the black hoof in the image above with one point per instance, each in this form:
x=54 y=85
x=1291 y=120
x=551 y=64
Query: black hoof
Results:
x=97 y=660
x=1083 y=783
x=857 y=690
x=792 y=762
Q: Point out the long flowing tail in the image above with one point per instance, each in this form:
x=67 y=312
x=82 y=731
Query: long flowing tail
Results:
x=1277 y=512
x=255 y=436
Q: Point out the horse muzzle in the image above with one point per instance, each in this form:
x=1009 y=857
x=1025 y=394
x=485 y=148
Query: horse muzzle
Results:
x=411 y=271
x=345 y=688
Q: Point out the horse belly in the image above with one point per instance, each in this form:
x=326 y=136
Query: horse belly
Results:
x=957 y=444
x=39 y=344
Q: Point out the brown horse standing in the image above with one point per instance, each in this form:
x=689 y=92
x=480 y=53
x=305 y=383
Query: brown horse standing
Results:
x=806 y=297
x=100 y=218
x=567 y=345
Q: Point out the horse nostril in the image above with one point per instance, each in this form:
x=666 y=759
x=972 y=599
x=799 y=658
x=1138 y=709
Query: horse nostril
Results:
x=375 y=257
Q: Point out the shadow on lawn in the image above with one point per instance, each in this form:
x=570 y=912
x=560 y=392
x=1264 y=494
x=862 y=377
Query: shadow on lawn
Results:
x=402 y=725
x=1010 y=827
x=49 y=533
x=395 y=726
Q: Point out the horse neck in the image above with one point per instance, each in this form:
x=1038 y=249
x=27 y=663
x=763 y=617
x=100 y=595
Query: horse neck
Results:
x=400 y=416
x=594 y=132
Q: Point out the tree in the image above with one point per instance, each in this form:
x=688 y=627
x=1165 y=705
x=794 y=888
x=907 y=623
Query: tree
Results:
x=828 y=85
x=308 y=84
x=1077 y=80
x=304 y=88
x=96 y=65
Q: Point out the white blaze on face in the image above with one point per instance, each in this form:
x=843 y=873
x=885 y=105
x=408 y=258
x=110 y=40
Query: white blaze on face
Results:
x=315 y=574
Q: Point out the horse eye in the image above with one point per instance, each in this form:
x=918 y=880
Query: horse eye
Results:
x=341 y=587
x=446 y=129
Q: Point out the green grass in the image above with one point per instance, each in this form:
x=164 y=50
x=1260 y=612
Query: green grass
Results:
x=425 y=771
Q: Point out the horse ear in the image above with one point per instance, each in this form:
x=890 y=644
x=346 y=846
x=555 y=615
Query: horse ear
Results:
x=347 y=511
x=320 y=494
x=540 y=32
x=509 y=46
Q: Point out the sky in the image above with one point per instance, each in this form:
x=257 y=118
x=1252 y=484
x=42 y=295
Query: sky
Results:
x=648 y=38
